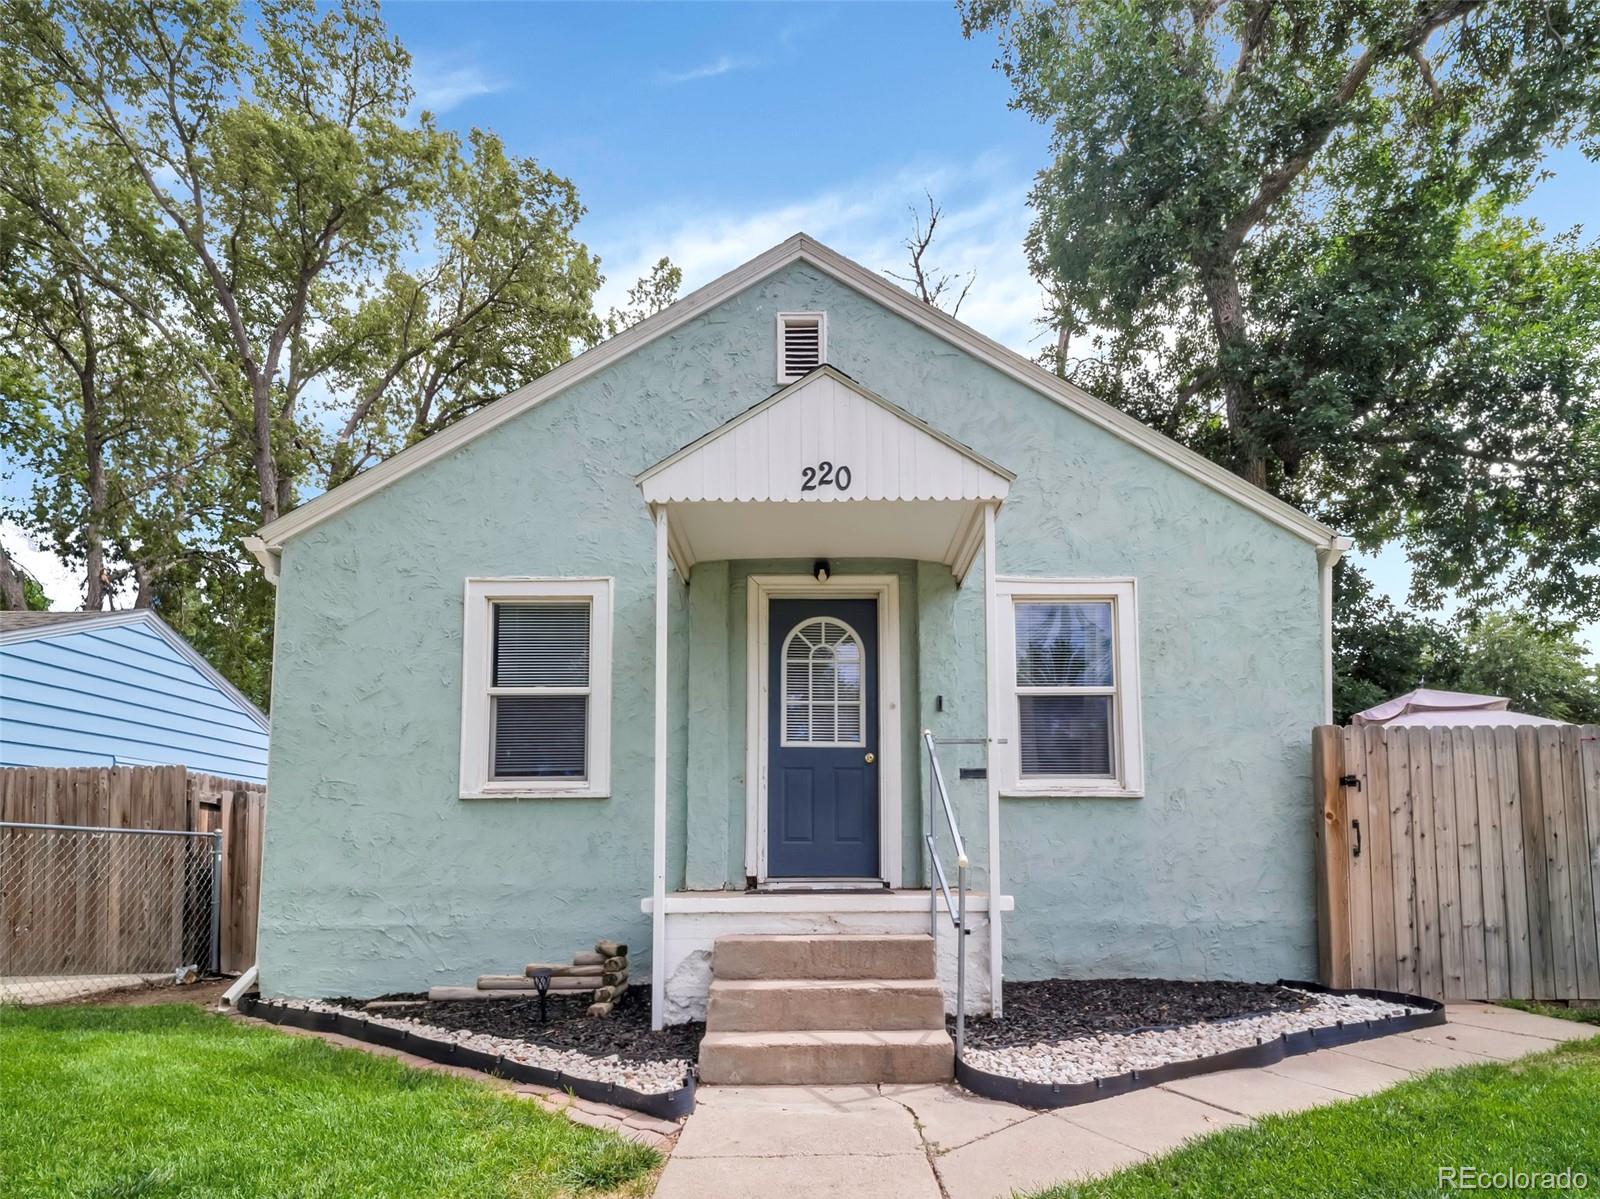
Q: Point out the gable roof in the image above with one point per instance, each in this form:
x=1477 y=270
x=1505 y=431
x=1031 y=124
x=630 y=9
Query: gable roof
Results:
x=799 y=248
x=35 y=626
x=12 y=622
x=957 y=463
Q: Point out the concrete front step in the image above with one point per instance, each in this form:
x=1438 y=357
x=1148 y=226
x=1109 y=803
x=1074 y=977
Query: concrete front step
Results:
x=826 y=1057
x=827 y=955
x=793 y=1004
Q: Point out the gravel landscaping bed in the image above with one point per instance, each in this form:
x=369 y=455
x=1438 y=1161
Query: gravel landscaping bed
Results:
x=1058 y=1009
x=619 y=1048
x=1119 y=1025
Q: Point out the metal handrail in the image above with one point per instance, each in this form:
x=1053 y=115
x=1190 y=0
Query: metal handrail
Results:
x=957 y=910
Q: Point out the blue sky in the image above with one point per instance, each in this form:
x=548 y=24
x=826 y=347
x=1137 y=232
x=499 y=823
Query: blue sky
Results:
x=709 y=132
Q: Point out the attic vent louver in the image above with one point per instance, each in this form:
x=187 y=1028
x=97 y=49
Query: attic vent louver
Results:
x=802 y=343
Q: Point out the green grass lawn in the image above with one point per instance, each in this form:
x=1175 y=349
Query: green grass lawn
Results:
x=107 y=1103
x=1583 y=1015
x=1538 y=1114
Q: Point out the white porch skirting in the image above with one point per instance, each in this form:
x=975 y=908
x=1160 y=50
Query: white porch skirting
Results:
x=695 y=919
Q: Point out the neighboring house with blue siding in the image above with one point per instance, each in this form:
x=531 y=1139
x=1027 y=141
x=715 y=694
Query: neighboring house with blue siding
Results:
x=120 y=689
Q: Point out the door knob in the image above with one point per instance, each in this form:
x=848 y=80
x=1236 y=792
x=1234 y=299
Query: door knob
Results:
x=871 y=758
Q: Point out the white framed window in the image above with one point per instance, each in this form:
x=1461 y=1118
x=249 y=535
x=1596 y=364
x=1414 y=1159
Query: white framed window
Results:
x=536 y=688
x=802 y=344
x=822 y=694
x=1069 y=665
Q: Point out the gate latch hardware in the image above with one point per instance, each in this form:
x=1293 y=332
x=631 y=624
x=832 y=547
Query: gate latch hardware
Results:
x=1357 y=825
x=1350 y=780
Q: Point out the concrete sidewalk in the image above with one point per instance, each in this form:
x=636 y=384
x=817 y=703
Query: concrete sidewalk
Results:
x=928 y=1142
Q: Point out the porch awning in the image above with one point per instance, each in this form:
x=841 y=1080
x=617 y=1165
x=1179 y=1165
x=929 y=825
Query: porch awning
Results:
x=825 y=469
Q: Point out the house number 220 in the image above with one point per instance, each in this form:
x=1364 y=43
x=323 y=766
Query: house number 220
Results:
x=825 y=474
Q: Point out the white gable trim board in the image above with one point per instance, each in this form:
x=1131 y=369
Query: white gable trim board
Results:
x=269 y=540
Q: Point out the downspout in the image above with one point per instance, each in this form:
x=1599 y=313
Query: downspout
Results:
x=991 y=730
x=243 y=983
x=269 y=557
x=1327 y=558
x=658 y=856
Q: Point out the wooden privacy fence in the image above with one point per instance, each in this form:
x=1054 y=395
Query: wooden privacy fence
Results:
x=151 y=797
x=1459 y=863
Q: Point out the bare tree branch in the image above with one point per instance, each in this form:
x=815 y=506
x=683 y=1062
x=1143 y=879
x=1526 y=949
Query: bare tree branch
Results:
x=928 y=283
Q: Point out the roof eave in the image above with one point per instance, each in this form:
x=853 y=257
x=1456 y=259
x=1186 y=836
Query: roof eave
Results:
x=799 y=247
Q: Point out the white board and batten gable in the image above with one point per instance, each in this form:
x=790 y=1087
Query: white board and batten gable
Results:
x=836 y=470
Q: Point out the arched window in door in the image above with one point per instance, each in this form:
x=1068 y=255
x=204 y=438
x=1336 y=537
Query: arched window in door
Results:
x=823 y=684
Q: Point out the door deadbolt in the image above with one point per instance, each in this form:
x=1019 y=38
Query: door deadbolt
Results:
x=871 y=759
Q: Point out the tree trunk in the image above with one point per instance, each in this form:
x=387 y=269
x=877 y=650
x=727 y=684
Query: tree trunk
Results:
x=95 y=589
x=1227 y=321
x=13 y=596
x=147 y=575
x=266 y=462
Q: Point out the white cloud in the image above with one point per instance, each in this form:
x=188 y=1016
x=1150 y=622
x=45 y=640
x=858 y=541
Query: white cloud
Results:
x=985 y=217
x=61 y=583
x=442 y=83
x=724 y=64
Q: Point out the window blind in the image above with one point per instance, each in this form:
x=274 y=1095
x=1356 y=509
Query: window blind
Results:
x=540 y=736
x=1066 y=680
x=1065 y=734
x=1064 y=645
x=541 y=656
x=822 y=680
x=541 y=645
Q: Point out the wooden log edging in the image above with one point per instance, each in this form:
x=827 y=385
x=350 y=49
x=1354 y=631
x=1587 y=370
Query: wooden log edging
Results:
x=1069 y=1094
x=664 y=1105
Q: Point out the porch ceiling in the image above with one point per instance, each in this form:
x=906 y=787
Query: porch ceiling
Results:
x=825 y=468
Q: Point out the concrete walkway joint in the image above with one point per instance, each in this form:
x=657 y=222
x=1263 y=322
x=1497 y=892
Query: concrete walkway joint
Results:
x=941 y=1142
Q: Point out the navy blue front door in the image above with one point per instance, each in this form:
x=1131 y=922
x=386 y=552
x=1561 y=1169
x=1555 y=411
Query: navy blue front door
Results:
x=822 y=739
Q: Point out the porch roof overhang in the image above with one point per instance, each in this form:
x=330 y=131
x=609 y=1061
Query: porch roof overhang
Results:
x=825 y=468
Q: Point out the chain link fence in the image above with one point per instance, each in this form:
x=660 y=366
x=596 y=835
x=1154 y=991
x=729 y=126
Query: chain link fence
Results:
x=85 y=910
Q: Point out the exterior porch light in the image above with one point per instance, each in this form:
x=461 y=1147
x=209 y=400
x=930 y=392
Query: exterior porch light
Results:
x=822 y=569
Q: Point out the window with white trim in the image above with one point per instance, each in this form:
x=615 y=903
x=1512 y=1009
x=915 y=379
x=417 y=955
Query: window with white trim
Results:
x=802 y=344
x=536 y=675
x=1070 y=662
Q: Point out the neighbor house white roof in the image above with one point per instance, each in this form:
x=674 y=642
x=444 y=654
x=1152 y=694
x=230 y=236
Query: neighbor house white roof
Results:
x=1426 y=707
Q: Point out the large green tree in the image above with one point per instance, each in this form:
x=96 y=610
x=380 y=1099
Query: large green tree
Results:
x=278 y=274
x=1382 y=650
x=1285 y=233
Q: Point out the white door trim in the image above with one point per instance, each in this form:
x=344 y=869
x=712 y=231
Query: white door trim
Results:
x=764 y=588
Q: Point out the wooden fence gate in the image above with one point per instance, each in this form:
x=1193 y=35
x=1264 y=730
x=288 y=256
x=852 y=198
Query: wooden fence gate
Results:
x=1459 y=863
x=154 y=797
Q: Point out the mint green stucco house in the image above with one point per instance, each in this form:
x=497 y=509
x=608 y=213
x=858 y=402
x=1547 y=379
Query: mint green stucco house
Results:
x=646 y=650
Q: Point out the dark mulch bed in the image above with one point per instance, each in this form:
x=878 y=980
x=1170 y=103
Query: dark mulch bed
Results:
x=1060 y=1009
x=625 y=1032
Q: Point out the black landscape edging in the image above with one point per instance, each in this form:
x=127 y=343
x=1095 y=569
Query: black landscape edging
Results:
x=664 y=1105
x=1069 y=1094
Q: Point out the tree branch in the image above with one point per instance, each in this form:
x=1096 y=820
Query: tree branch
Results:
x=1278 y=181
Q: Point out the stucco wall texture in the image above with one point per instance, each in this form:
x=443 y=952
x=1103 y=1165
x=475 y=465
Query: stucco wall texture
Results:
x=379 y=878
